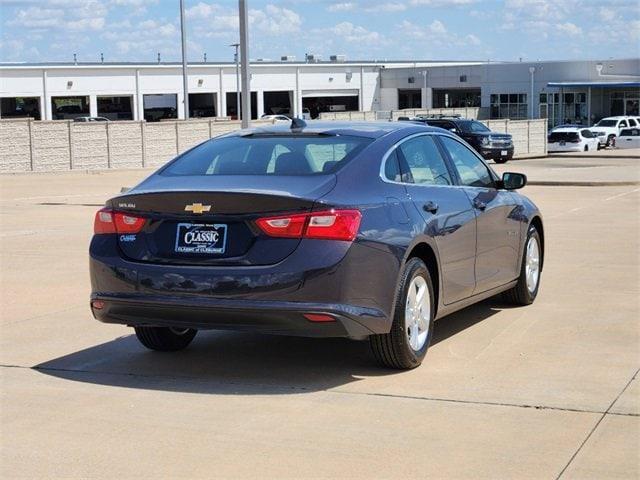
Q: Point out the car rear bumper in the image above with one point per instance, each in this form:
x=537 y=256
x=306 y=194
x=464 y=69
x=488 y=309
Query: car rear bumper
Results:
x=351 y=282
x=273 y=317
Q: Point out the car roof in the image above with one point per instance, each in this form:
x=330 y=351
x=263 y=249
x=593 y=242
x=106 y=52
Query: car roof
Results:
x=568 y=129
x=357 y=129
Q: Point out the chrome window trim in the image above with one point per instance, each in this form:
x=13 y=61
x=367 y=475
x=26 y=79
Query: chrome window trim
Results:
x=383 y=163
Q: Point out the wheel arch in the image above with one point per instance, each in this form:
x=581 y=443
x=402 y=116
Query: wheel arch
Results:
x=427 y=254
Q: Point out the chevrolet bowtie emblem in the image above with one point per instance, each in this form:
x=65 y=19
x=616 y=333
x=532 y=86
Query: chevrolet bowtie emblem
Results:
x=197 y=208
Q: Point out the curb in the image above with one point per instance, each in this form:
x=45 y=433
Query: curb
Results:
x=551 y=183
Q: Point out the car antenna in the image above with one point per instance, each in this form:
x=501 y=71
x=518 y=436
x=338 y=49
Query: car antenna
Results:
x=297 y=124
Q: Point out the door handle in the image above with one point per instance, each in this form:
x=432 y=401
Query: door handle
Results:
x=479 y=204
x=430 y=207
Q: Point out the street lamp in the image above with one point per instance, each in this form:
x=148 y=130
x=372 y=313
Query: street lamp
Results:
x=244 y=51
x=185 y=86
x=236 y=57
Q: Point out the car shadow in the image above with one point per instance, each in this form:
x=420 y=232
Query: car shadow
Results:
x=240 y=363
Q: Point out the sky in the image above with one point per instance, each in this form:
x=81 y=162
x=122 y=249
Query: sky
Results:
x=503 y=30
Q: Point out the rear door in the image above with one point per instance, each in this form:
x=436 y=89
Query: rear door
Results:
x=447 y=211
x=498 y=226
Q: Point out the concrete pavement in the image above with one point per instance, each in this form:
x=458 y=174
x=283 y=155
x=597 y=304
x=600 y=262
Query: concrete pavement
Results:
x=545 y=391
x=567 y=169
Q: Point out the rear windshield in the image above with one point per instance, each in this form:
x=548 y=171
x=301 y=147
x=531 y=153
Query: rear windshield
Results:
x=606 y=123
x=268 y=155
x=563 y=137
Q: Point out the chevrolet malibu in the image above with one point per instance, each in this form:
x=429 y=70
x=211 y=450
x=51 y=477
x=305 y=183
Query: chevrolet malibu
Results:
x=370 y=230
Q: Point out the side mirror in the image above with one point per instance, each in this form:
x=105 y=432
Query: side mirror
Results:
x=513 y=181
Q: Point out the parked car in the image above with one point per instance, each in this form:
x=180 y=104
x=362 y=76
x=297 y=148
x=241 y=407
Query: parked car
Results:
x=629 y=138
x=608 y=129
x=572 y=139
x=90 y=119
x=491 y=145
x=277 y=118
x=326 y=229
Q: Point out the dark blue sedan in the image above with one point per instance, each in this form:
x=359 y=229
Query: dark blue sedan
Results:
x=321 y=229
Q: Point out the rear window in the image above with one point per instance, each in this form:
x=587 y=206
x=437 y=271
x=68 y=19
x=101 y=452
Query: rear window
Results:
x=268 y=155
x=563 y=137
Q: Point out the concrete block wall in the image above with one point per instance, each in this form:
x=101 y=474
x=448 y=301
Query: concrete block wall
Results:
x=529 y=136
x=64 y=145
x=15 y=153
x=125 y=144
x=348 y=116
x=51 y=148
x=89 y=145
x=161 y=143
x=475 y=113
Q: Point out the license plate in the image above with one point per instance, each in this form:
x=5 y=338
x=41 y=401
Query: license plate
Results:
x=503 y=153
x=201 y=238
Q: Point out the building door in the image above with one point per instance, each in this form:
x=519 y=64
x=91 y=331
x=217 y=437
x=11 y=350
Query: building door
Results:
x=409 y=98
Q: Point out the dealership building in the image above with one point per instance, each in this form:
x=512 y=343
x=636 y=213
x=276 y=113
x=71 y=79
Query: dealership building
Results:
x=561 y=91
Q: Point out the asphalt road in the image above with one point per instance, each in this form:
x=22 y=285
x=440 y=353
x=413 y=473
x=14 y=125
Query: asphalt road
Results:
x=545 y=391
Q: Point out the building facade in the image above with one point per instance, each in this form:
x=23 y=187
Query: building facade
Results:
x=571 y=91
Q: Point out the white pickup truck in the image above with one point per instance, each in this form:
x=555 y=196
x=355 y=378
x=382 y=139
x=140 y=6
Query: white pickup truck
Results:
x=608 y=129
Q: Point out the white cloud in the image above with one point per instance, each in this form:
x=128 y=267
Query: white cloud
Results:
x=387 y=7
x=569 y=28
x=342 y=7
x=275 y=20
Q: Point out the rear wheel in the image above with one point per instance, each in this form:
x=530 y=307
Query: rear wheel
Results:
x=526 y=290
x=586 y=148
x=406 y=345
x=165 y=339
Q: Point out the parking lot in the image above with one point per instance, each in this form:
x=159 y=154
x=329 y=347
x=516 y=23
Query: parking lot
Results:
x=545 y=391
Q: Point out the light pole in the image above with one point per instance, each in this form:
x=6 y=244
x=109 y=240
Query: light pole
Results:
x=244 y=51
x=185 y=86
x=236 y=57
x=532 y=71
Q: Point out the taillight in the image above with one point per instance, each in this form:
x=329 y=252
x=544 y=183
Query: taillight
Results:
x=326 y=225
x=108 y=221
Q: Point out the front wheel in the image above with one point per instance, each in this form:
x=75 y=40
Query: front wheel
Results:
x=165 y=339
x=406 y=345
x=526 y=290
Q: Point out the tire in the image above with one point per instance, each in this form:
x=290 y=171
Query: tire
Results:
x=165 y=339
x=522 y=293
x=586 y=148
x=610 y=140
x=394 y=349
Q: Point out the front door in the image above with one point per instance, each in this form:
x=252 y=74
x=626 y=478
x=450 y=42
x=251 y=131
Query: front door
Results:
x=498 y=225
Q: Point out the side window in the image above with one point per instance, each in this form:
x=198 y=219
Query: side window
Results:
x=392 y=168
x=586 y=133
x=632 y=122
x=421 y=157
x=622 y=124
x=472 y=171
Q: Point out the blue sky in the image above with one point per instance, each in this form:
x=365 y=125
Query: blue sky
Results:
x=135 y=30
